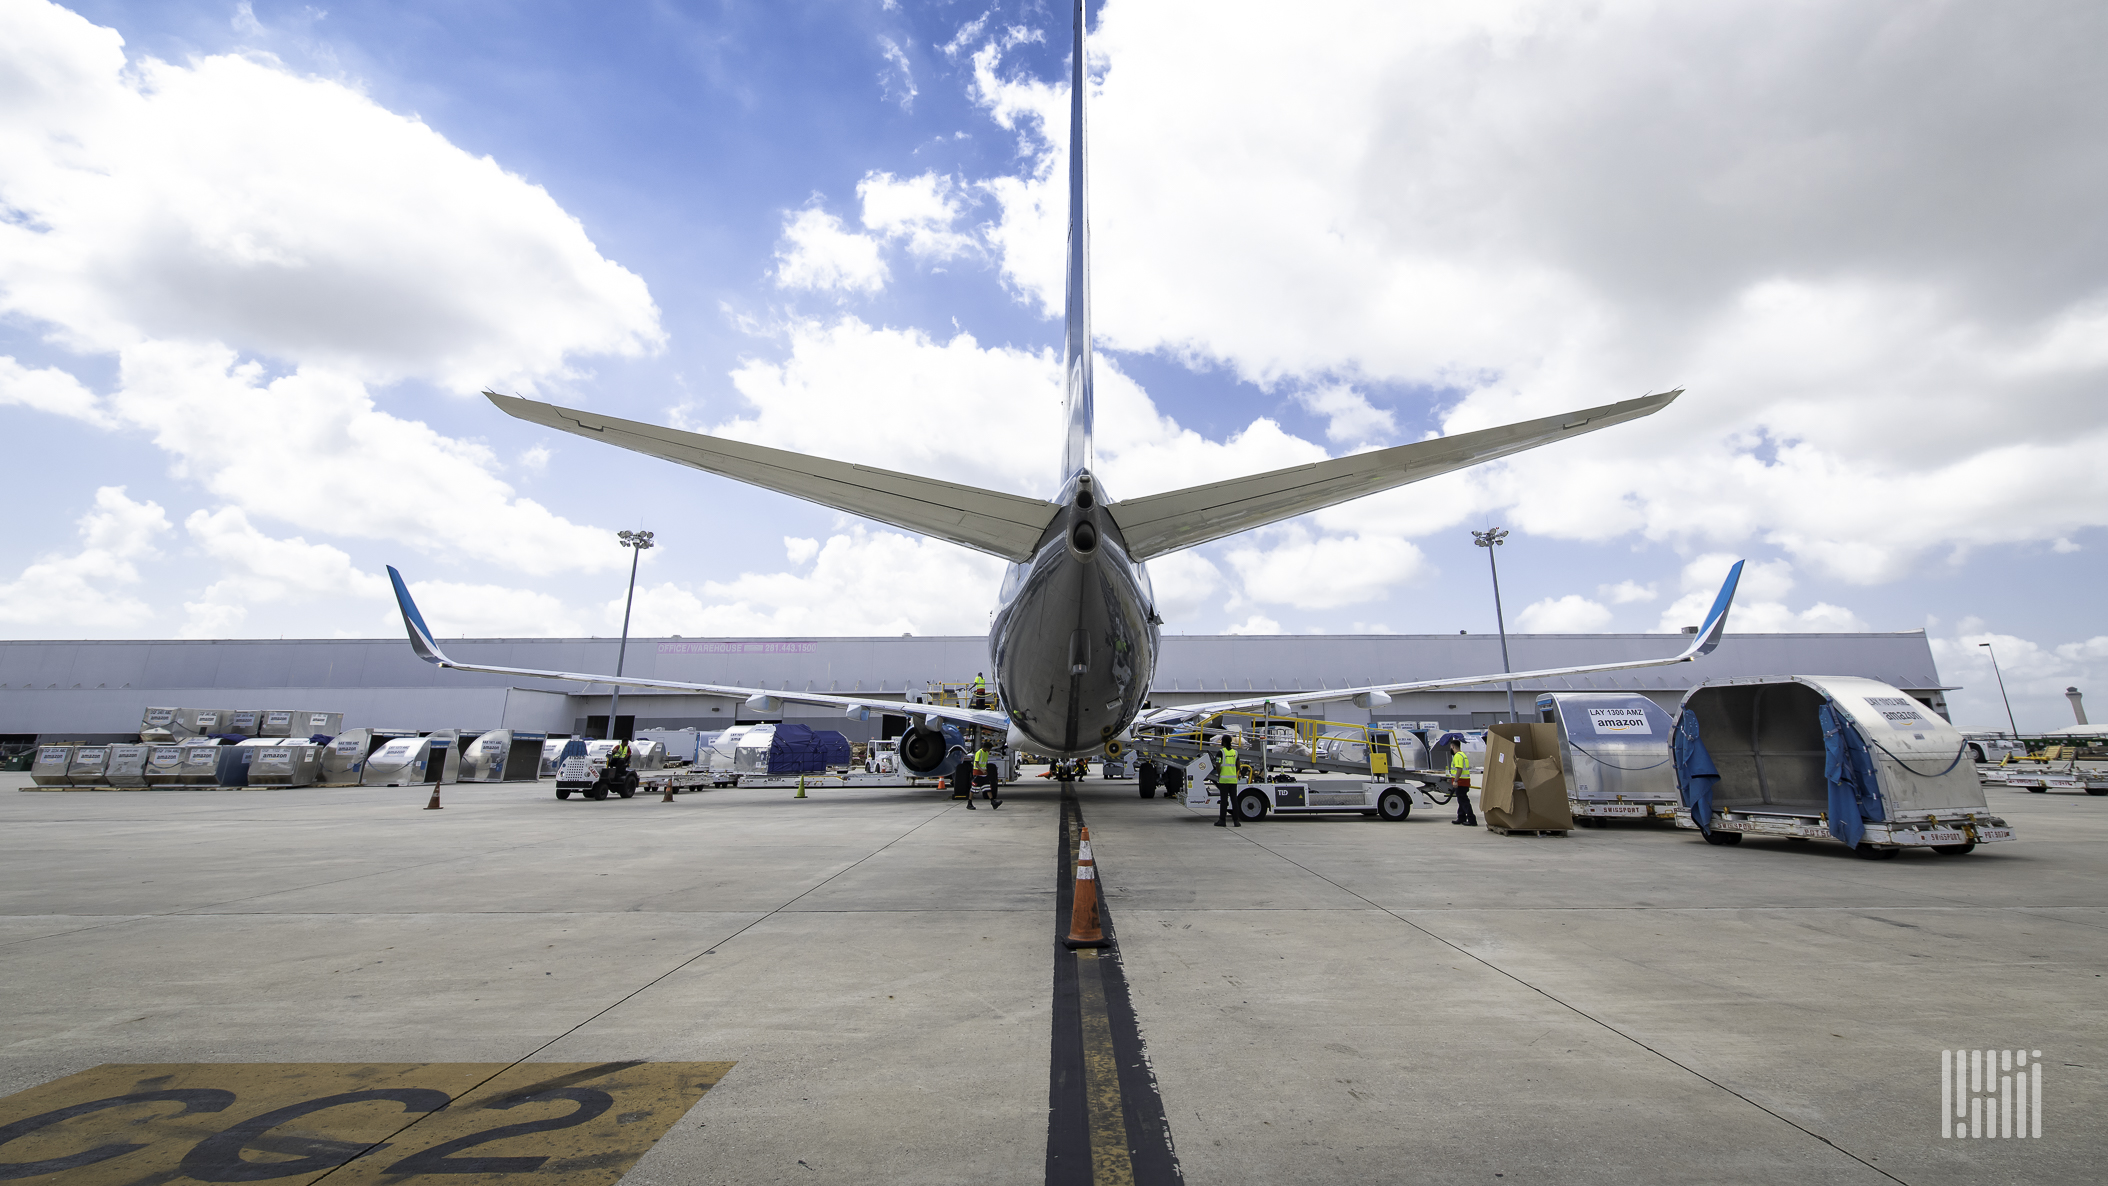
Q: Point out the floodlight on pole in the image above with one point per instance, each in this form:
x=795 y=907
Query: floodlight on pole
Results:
x=2002 y=687
x=1490 y=539
x=638 y=540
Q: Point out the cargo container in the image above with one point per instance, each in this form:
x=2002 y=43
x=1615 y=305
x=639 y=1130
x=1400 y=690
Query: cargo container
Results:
x=503 y=755
x=127 y=766
x=283 y=762
x=164 y=765
x=1614 y=750
x=49 y=768
x=406 y=762
x=344 y=758
x=89 y=767
x=1827 y=758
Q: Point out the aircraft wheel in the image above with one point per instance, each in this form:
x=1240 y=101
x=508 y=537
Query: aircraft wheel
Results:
x=1149 y=793
x=1955 y=850
x=1875 y=854
x=1251 y=806
x=1723 y=839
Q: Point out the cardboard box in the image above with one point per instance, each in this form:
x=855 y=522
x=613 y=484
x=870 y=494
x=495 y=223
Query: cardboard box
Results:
x=1525 y=788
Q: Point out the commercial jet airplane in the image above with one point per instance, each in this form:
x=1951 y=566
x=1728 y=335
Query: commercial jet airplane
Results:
x=1075 y=634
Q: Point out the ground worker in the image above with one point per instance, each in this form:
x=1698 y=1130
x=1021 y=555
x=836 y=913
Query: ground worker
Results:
x=1460 y=781
x=1226 y=782
x=980 y=689
x=984 y=773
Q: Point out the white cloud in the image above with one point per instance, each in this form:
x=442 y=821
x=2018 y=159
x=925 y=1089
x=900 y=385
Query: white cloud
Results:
x=800 y=550
x=1312 y=573
x=2035 y=674
x=1256 y=624
x=918 y=209
x=334 y=462
x=1760 y=606
x=1184 y=582
x=817 y=253
x=458 y=610
x=1444 y=197
x=232 y=200
x=50 y=390
x=862 y=582
x=259 y=569
x=259 y=248
x=897 y=81
x=88 y=588
x=1627 y=591
x=1571 y=614
x=1350 y=418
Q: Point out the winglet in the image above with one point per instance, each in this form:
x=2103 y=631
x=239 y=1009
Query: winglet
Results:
x=1716 y=618
x=421 y=639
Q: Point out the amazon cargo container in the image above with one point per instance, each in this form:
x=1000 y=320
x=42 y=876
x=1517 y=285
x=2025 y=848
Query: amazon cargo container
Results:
x=1614 y=747
x=1814 y=757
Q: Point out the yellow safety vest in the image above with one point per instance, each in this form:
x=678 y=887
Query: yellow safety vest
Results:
x=1460 y=765
x=1228 y=773
x=980 y=760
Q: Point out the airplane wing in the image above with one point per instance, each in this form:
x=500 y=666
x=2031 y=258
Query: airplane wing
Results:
x=1158 y=523
x=762 y=699
x=1708 y=638
x=1006 y=525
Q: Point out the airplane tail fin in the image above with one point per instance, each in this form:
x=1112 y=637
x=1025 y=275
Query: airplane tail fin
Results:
x=1076 y=337
x=1160 y=523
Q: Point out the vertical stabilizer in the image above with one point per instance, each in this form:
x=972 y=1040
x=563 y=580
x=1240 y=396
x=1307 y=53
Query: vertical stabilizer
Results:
x=1076 y=340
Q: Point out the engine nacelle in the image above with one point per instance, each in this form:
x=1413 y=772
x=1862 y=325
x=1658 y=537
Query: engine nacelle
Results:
x=929 y=752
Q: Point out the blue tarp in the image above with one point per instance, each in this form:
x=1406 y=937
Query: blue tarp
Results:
x=800 y=749
x=1696 y=776
x=1855 y=796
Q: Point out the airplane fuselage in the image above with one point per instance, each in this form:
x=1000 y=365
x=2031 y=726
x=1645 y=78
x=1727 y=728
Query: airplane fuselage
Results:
x=1075 y=635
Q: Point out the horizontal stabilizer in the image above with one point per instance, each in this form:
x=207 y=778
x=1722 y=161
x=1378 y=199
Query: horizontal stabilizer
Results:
x=1158 y=523
x=1006 y=525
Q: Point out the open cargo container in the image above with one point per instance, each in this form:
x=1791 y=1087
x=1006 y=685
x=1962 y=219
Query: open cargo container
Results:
x=1614 y=749
x=1814 y=757
x=503 y=755
x=344 y=758
x=406 y=762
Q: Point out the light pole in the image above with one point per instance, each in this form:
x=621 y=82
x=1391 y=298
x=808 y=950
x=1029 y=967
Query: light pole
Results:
x=1490 y=539
x=638 y=540
x=2002 y=688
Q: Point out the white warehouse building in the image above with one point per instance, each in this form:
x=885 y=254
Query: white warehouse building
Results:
x=99 y=690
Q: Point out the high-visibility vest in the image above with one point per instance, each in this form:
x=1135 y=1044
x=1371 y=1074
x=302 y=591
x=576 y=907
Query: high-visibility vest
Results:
x=980 y=760
x=979 y=685
x=1460 y=765
x=1228 y=773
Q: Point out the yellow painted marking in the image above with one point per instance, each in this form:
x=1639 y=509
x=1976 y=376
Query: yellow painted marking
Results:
x=190 y=1122
x=1110 y=1164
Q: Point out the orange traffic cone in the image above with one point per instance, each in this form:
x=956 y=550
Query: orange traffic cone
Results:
x=434 y=804
x=1084 y=930
x=669 y=792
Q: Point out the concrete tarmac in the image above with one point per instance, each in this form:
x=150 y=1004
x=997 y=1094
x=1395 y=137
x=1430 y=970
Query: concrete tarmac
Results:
x=1323 y=1000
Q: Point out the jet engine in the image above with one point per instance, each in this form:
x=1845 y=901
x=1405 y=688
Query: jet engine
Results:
x=932 y=752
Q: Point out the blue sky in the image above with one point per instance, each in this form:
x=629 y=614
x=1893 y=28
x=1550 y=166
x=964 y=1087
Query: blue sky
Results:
x=254 y=266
